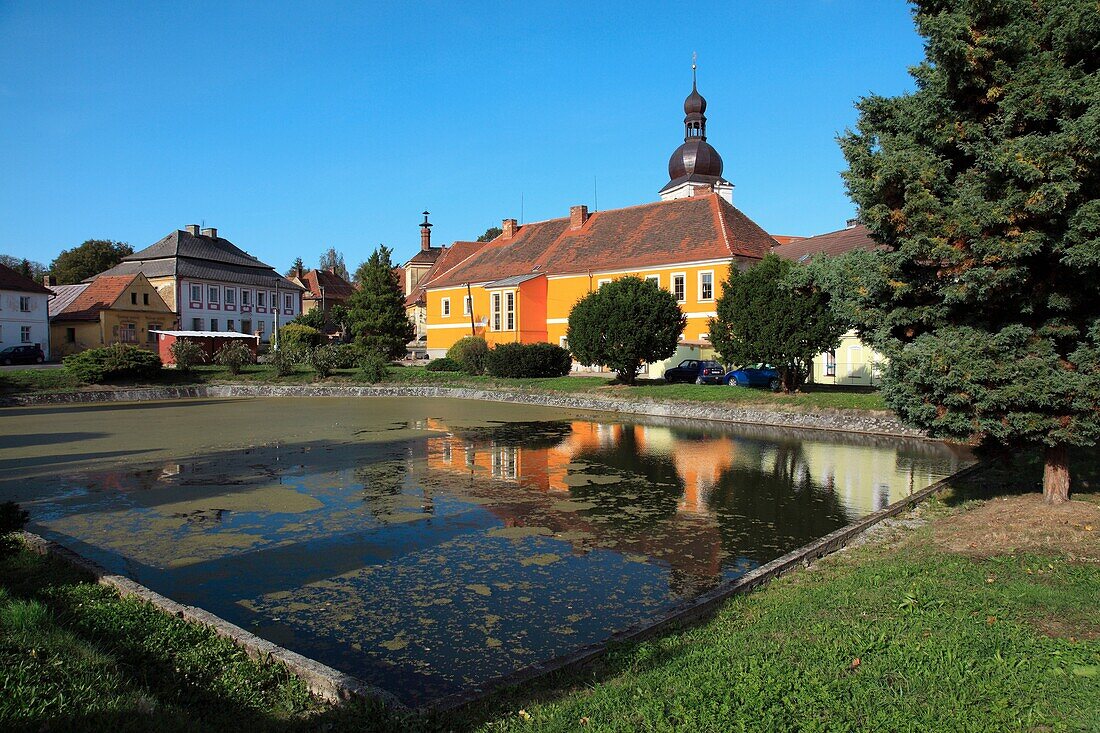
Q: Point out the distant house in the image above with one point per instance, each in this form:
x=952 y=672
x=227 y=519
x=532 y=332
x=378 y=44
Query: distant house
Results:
x=112 y=309
x=323 y=289
x=852 y=362
x=24 y=314
x=416 y=301
x=411 y=275
x=213 y=285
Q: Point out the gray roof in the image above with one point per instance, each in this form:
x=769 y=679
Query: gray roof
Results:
x=511 y=281
x=198 y=256
x=66 y=294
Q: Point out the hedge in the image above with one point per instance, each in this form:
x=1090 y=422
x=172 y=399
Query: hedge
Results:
x=529 y=360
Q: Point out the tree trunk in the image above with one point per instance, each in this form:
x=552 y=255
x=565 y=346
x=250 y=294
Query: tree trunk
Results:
x=1056 y=475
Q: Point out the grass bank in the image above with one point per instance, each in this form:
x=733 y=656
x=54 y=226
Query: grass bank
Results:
x=813 y=397
x=977 y=613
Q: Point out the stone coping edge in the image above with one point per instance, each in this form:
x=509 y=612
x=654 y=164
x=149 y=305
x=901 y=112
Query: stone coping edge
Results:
x=705 y=605
x=848 y=421
x=321 y=680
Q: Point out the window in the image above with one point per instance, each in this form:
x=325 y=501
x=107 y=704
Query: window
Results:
x=679 y=289
x=261 y=299
x=706 y=285
x=1 y=334
x=602 y=282
x=466 y=305
x=150 y=337
x=145 y=298
x=213 y=324
x=213 y=294
x=196 y=324
x=260 y=326
x=133 y=298
x=25 y=303
x=246 y=297
x=246 y=326
x=445 y=307
x=70 y=335
x=510 y=311
x=128 y=333
x=288 y=302
x=230 y=325
x=274 y=302
x=655 y=279
x=830 y=363
x=25 y=334
x=196 y=293
x=496 y=311
x=230 y=296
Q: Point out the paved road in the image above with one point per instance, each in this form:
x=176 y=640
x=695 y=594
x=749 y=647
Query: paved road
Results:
x=13 y=367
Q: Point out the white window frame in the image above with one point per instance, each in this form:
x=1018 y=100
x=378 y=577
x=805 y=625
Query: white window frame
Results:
x=602 y=281
x=261 y=298
x=445 y=307
x=466 y=305
x=655 y=277
x=213 y=295
x=246 y=297
x=230 y=296
x=682 y=297
x=24 y=304
x=24 y=334
x=509 y=310
x=288 y=302
x=196 y=289
x=701 y=298
x=496 y=315
x=704 y=337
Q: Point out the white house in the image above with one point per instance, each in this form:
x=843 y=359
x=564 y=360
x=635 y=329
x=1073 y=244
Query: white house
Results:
x=212 y=285
x=24 y=311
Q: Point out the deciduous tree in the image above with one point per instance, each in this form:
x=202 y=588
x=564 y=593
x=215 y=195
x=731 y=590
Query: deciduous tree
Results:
x=985 y=182
x=90 y=258
x=333 y=260
x=624 y=324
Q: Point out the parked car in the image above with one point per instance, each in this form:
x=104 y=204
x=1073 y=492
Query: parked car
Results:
x=22 y=355
x=697 y=371
x=757 y=375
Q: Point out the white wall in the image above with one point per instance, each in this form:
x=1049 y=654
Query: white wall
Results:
x=208 y=310
x=12 y=320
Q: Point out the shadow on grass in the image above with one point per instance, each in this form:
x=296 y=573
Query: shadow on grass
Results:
x=1012 y=474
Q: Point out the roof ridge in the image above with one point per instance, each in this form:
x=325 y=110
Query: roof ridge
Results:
x=722 y=224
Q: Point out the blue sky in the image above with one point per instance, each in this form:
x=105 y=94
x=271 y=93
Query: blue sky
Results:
x=301 y=126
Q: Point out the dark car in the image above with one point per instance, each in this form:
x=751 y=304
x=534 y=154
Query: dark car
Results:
x=757 y=375
x=697 y=371
x=22 y=355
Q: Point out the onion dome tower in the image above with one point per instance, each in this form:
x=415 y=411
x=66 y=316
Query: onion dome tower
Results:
x=695 y=165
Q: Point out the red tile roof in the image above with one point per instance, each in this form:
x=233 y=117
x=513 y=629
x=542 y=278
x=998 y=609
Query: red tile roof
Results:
x=100 y=294
x=831 y=244
x=704 y=227
x=12 y=280
x=450 y=258
x=785 y=238
x=336 y=287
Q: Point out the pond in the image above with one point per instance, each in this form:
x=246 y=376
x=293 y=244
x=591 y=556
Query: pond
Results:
x=427 y=546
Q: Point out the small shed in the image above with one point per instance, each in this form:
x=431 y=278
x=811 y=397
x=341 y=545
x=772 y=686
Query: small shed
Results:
x=210 y=341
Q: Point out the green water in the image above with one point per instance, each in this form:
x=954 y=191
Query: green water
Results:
x=431 y=545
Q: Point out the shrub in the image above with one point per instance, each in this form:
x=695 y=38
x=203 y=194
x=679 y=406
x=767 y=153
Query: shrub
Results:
x=234 y=355
x=471 y=353
x=624 y=324
x=346 y=356
x=187 y=354
x=12 y=519
x=284 y=360
x=314 y=319
x=294 y=335
x=444 y=364
x=324 y=360
x=373 y=368
x=118 y=361
x=529 y=360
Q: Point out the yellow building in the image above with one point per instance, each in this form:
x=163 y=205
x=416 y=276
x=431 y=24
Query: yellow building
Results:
x=112 y=309
x=852 y=362
x=521 y=286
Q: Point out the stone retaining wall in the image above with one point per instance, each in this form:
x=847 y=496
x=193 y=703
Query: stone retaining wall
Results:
x=849 y=421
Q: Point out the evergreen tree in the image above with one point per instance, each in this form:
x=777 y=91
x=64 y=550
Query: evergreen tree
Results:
x=28 y=268
x=377 y=309
x=90 y=258
x=762 y=317
x=985 y=183
x=624 y=324
x=296 y=267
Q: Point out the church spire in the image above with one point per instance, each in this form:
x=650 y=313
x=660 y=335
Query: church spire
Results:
x=695 y=106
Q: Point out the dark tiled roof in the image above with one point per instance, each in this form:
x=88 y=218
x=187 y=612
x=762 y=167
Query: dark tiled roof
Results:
x=831 y=245
x=12 y=280
x=197 y=246
x=97 y=296
x=425 y=256
x=704 y=227
x=450 y=258
x=336 y=287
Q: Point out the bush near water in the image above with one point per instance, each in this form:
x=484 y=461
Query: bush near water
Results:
x=529 y=361
x=118 y=361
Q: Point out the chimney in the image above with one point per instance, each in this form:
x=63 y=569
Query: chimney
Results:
x=298 y=272
x=852 y=222
x=49 y=281
x=425 y=234
x=210 y=232
x=193 y=229
x=578 y=215
x=508 y=226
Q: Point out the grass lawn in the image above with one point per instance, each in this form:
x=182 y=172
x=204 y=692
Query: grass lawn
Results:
x=978 y=613
x=813 y=397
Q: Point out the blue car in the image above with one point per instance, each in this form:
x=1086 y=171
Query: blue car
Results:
x=757 y=375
